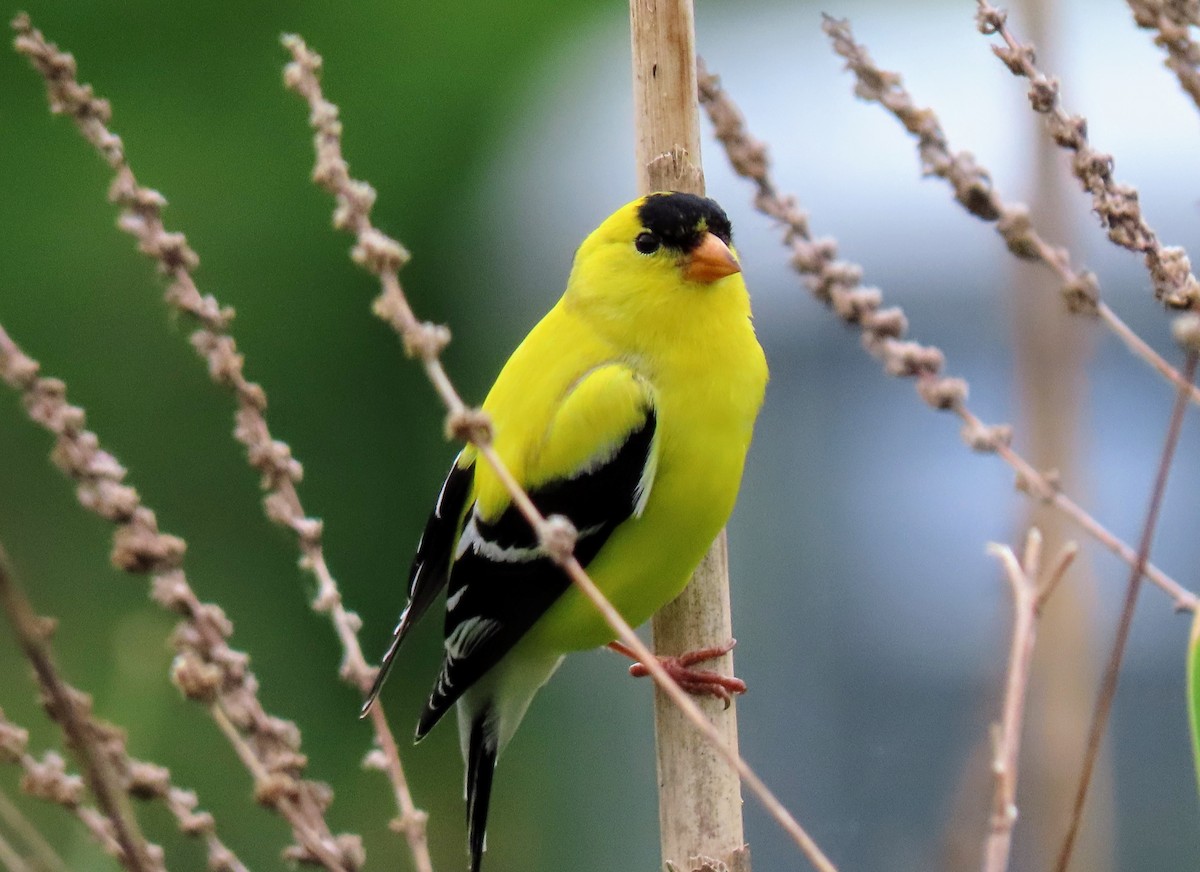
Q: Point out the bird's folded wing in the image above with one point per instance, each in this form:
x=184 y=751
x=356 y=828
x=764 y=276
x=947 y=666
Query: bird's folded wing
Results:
x=595 y=465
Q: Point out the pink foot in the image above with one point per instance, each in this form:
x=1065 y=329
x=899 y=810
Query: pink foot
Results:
x=699 y=682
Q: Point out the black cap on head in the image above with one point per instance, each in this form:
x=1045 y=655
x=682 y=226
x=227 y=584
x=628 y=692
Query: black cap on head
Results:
x=680 y=220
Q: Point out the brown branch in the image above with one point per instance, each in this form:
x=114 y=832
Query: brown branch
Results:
x=101 y=746
x=206 y=669
x=71 y=711
x=141 y=217
x=1029 y=596
x=974 y=191
x=383 y=257
x=1112 y=671
x=48 y=780
x=837 y=285
x=1171 y=21
x=1115 y=204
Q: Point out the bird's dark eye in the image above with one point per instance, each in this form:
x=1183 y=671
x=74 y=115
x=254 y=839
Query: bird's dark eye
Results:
x=646 y=243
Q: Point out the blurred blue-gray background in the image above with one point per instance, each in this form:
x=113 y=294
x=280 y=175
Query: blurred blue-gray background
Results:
x=873 y=629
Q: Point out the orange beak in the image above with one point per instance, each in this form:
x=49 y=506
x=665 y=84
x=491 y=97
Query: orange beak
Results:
x=709 y=261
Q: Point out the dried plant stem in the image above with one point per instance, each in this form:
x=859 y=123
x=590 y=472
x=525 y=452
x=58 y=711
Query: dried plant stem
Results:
x=412 y=822
x=291 y=808
x=102 y=742
x=383 y=257
x=1046 y=490
x=206 y=668
x=1140 y=348
x=1172 y=20
x=47 y=779
x=699 y=797
x=1112 y=671
x=102 y=779
x=141 y=217
x=46 y=857
x=1116 y=205
x=1029 y=596
x=837 y=284
x=974 y=191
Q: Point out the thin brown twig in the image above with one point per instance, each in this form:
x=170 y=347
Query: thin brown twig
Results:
x=383 y=257
x=975 y=192
x=47 y=858
x=1172 y=21
x=1115 y=204
x=141 y=217
x=102 y=748
x=47 y=779
x=838 y=285
x=1030 y=592
x=1175 y=286
x=64 y=706
x=1112 y=671
x=270 y=789
x=206 y=668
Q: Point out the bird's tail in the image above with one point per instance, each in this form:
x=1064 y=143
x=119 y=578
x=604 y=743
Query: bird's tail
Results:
x=482 y=749
x=488 y=714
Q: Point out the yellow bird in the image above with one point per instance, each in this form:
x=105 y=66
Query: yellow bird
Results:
x=628 y=409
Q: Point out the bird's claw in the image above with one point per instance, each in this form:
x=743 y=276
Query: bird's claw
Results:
x=698 y=682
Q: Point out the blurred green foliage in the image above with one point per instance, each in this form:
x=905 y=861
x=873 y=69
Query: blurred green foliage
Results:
x=425 y=90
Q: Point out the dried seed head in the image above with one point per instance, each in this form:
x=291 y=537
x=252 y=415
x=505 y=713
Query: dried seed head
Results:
x=984 y=438
x=13 y=741
x=140 y=548
x=1186 y=330
x=274 y=788
x=943 y=393
x=195 y=679
x=557 y=536
x=425 y=341
x=147 y=780
x=469 y=425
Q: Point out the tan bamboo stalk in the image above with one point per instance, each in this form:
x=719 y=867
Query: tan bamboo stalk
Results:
x=1051 y=353
x=699 y=795
x=1050 y=370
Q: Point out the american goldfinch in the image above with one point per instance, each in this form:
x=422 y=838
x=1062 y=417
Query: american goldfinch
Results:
x=628 y=409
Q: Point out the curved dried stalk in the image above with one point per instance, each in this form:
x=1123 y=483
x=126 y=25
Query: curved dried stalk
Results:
x=973 y=190
x=1030 y=590
x=1112 y=670
x=838 y=285
x=71 y=710
x=1115 y=204
x=1172 y=21
x=206 y=668
x=142 y=217
x=47 y=779
x=384 y=257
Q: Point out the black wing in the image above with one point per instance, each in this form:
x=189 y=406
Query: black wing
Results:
x=502 y=582
x=430 y=565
